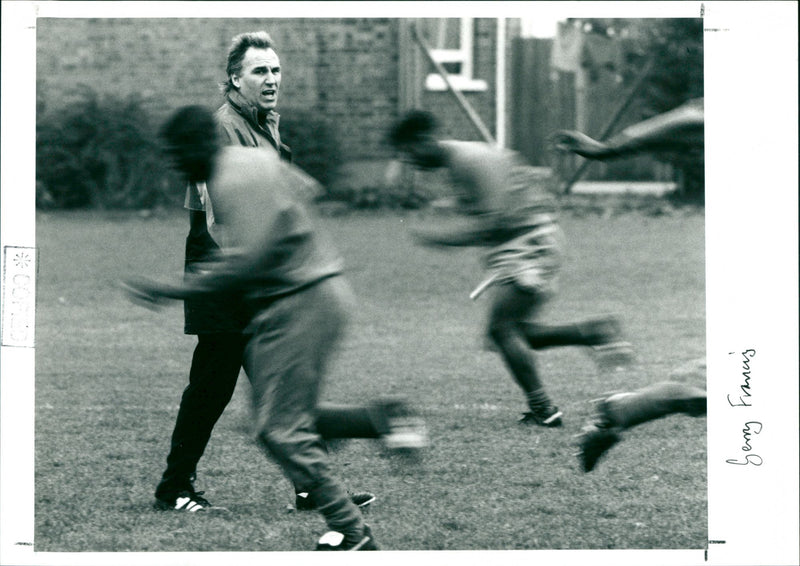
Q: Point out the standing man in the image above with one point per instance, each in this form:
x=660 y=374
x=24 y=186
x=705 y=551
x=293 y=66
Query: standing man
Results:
x=513 y=216
x=289 y=280
x=680 y=129
x=247 y=118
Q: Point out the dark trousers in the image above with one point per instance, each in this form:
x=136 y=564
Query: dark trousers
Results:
x=215 y=368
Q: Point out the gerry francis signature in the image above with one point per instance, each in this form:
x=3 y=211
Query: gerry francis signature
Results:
x=743 y=398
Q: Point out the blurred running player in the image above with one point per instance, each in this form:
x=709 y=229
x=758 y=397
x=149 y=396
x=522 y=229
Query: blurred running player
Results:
x=296 y=300
x=513 y=215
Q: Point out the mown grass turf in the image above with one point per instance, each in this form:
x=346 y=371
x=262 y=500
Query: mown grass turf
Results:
x=109 y=377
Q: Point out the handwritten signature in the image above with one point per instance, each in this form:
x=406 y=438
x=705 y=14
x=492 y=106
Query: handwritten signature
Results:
x=751 y=428
x=747 y=355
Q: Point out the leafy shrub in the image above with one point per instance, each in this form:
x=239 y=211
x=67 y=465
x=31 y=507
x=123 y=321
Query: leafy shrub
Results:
x=100 y=152
x=375 y=198
x=314 y=145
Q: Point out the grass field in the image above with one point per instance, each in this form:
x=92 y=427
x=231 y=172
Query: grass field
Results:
x=109 y=377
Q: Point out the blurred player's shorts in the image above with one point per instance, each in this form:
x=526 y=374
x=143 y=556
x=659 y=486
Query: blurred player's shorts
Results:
x=531 y=261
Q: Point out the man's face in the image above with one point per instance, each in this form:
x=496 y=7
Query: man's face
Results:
x=260 y=78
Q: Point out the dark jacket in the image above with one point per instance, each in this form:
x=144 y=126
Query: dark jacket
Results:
x=239 y=125
x=271 y=247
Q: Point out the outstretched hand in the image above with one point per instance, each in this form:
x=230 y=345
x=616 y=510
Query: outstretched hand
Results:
x=577 y=142
x=143 y=292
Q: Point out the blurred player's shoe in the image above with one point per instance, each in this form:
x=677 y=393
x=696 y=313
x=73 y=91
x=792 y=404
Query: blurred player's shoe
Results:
x=333 y=540
x=593 y=442
x=186 y=502
x=605 y=337
x=407 y=433
x=361 y=499
x=548 y=416
x=598 y=436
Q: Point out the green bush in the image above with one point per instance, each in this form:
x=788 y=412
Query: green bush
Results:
x=677 y=76
x=315 y=148
x=100 y=151
x=380 y=198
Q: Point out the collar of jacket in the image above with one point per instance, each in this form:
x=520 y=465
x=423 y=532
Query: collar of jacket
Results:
x=250 y=113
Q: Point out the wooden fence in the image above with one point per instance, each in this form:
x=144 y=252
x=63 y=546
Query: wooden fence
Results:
x=544 y=99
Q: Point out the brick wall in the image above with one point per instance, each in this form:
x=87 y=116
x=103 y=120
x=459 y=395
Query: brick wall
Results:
x=345 y=69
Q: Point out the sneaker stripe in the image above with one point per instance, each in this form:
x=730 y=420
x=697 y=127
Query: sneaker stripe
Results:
x=187 y=504
x=554 y=416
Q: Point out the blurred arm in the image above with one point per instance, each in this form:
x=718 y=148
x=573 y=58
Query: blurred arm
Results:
x=680 y=128
x=472 y=233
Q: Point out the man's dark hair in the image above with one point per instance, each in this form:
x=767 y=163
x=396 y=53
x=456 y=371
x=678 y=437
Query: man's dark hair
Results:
x=239 y=46
x=413 y=126
x=190 y=136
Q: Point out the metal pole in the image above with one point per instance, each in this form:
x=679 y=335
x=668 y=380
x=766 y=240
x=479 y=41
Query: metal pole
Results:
x=462 y=102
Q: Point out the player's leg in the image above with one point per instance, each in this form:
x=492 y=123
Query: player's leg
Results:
x=589 y=333
x=285 y=361
x=509 y=305
x=400 y=428
x=602 y=334
x=392 y=420
x=212 y=380
x=626 y=410
x=339 y=422
x=622 y=411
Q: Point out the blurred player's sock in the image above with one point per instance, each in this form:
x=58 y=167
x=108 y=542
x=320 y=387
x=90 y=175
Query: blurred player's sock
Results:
x=335 y=422
x=405 y=430
x=591 y=332
x=541 y=336
x=604 y=335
